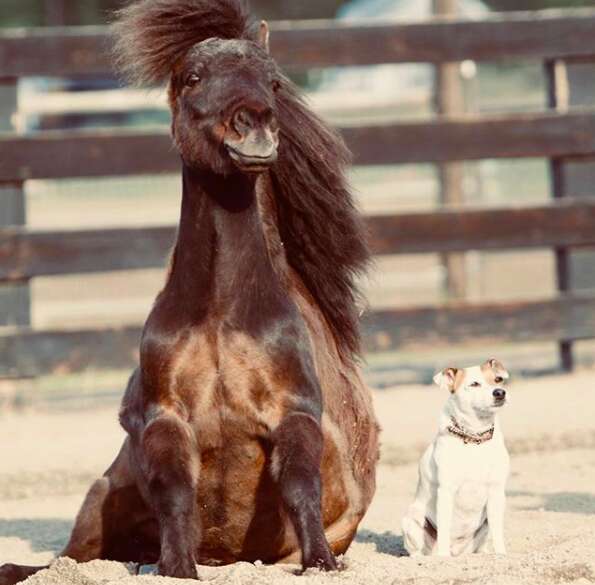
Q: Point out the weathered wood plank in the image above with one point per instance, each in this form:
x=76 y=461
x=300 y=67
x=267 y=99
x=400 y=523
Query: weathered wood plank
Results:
x=26 y=352
x=536 y=35
x=25 y=254
x=565 y=318
x=29 y=352
x=94 y=153
x=474 y=137
x=568 y=223
x=53 y=155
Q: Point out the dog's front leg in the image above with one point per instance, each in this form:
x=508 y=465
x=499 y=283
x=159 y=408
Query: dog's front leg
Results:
x=444 y=508
x=496 y=505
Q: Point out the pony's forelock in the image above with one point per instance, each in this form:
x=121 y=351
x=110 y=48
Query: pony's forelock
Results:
x=151 y=36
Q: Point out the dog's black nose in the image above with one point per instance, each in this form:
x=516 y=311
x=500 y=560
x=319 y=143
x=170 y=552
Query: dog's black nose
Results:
x=499 y=393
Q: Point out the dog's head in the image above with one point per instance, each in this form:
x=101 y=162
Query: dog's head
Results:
x=481 y=389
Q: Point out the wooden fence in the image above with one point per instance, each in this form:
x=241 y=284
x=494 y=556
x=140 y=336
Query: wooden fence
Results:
x=552 y=37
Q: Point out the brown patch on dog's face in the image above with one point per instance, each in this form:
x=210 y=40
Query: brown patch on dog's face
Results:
x=450 y=378
x=494 y=372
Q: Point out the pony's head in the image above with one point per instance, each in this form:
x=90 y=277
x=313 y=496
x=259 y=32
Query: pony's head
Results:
x=222 y=80
x=222 y=95
x=234 y=111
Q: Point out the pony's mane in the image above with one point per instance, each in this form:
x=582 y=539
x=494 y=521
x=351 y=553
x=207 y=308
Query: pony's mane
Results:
x=323 y=234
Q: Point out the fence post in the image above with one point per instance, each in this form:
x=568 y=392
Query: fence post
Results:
x=14 y=298
x=55 y=12
x=557 y=99
x=450 y=100
x=579 y=175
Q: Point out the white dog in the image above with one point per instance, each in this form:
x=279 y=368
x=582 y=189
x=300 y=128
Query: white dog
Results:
x=460 y=495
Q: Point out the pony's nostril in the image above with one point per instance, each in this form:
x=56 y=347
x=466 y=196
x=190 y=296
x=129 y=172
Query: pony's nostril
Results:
x=499 y=393
x=251 y=117
x=243 y=120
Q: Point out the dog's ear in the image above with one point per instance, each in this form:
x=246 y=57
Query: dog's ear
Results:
x=448 y=379
x=263 y=35
x=496 y=369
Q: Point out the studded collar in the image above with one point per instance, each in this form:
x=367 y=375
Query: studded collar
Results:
x=456 y=429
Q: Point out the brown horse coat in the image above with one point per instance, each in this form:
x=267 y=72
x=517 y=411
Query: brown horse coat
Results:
x=250 y=432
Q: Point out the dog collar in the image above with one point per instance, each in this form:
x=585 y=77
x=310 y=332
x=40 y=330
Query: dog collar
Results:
x=454 y=428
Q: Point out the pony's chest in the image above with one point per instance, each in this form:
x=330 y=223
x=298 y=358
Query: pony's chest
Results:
x=230 y=379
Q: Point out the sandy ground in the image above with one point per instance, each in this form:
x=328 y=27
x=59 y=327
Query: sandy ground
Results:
x=48 y=460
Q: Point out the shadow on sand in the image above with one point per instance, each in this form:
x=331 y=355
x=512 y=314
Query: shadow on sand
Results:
x=386 y=542
x=571 y=502
x=44 y=534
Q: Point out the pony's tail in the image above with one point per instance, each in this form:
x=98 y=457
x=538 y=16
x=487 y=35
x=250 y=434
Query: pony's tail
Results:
x=153 y=35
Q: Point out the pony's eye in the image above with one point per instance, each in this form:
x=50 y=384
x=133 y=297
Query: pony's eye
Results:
x=475 y=384
x=276 y=85
x=498 y=379
x=192 y=80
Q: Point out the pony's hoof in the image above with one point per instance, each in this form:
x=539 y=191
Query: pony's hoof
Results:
x=178 y=569
x=325 y=561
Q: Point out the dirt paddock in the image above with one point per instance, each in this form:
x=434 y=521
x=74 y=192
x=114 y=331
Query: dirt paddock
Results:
x=47 y=465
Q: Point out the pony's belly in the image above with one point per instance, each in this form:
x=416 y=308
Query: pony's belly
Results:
x=239 y=506
x=241 y=512
x=235 y=404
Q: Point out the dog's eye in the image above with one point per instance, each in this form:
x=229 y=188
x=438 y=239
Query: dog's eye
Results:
x=498 y=379
x=276 y=85
x=192 y=80
x=475 y=384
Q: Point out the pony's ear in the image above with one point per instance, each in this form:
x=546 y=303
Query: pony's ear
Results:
x=448 y=379
x=263 y=35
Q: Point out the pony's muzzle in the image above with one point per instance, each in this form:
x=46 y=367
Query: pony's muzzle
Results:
x=253 y=143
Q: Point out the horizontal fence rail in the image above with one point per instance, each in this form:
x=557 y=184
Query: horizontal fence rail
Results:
x=566 y=317
x=32 y=353
x=26 y=254
x=558 y=135
x=61 y=154
x=543 y=35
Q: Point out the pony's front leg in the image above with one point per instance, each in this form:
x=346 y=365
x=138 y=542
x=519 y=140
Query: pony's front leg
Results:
x=170 y=465
x=298 y=445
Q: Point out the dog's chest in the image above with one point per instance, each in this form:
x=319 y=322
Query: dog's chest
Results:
x=462 y=463
x=471 y=497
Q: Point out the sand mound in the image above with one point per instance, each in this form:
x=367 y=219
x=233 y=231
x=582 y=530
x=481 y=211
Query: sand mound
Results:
x=554 y=548
x=571 y=561
x=549 y=525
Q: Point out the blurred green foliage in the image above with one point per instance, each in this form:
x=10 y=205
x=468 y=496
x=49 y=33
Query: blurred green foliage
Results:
x=72 y=12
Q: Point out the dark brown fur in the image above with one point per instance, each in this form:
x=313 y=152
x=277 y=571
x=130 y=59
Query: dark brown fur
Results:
x=250 y=432
x=324 y=235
